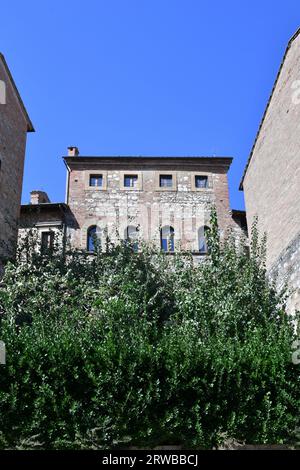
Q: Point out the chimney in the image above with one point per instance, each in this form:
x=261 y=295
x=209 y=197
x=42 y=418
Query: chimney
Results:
x=73 y=152
x=39 y=197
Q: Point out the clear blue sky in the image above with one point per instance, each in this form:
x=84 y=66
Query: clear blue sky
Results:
x=143 y=77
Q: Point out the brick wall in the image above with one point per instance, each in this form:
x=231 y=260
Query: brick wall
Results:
x=13 y=129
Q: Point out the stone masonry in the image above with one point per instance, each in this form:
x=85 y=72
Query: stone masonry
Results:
x=43 y=220
x=271 y=181
x=147 y=206
x=14 y=125
x=285 y=272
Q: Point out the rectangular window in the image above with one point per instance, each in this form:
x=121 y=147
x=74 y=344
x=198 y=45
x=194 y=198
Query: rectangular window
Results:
x=165 y=181
x=130 y=181
x=201 y=181
x=96 y=181
x=47 y=242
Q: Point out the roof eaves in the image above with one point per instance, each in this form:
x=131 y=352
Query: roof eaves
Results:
x=238 y=212
x=44 y=205
x=30 y=127
x=205 y=159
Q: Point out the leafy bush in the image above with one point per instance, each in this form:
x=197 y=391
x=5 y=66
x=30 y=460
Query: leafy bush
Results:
x=145 y=349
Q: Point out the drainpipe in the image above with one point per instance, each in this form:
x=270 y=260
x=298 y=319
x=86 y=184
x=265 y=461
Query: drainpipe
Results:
x=67 y=183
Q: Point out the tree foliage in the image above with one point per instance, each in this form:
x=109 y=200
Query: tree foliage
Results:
x=145 y=349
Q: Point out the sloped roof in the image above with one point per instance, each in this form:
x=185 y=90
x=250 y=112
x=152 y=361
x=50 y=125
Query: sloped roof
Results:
x=268 y=104
x=30 y=127
x=45 y=206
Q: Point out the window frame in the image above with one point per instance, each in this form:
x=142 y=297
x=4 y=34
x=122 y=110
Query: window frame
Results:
x=133 y=241
x=97 y=236
x=131 y=176
x=203 y=180
x=204 y=227
x=96 y=176
x=87 y=176
x=139 y=185
x=166 y=188
x=209 y=181
x=167 y=178
x=170 y=237
x=49 y=248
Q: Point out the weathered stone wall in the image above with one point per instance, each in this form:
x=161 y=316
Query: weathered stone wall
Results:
x=13 y=128
x=272 y=180
x=113 y=208
x=286 y=271
x=34 y=240
x=45 y=217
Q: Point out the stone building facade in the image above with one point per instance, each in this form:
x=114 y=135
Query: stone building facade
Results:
x=14 y=125
x=46 y=222
x=271 y=182
x=162 y=200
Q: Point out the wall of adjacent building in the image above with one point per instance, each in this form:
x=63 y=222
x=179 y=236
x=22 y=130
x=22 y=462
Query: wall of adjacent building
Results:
x=37 y=218
x=286 y=273
x=13 y=129
x=272 y=181
x=31 y=239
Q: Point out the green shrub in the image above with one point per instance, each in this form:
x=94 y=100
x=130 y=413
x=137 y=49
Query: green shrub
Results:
x=145 y=349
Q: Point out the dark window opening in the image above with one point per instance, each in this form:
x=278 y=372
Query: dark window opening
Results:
x=201 y=181
x=165 y=181
x=47 y=242
x=131 y=235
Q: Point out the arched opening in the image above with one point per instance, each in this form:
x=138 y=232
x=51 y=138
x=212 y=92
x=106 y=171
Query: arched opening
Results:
x=93 y=238
x=202 y=239
x=167 y=238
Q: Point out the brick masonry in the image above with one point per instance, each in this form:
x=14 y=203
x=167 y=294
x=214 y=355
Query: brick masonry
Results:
x=14 y=125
